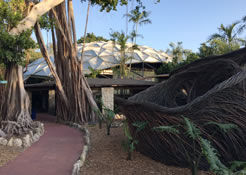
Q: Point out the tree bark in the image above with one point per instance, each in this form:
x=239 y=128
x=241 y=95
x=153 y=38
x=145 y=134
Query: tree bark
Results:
x=76 y=89
x=15 y=110
x=38 y=10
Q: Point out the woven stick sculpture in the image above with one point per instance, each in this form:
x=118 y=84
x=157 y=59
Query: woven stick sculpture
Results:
x=209 y=89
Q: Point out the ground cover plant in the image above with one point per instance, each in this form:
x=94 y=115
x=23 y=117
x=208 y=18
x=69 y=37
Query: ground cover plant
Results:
x=205 y=148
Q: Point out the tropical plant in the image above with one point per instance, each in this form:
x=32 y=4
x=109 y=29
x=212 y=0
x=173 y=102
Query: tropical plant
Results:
x=121 y=39
x=242 y=26
x=107 y=115
x=177 y=52
x=138 y=17
x=91 y=37
x=94 y=73
x=206 y=149
x=228 y=34
x=216 y=47
x=166 y=68
x=132 y=141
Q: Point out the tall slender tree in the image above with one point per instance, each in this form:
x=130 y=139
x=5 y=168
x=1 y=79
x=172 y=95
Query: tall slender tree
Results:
x=138 y=17
x=228 y=34
x=177 y=52
x=121 y=39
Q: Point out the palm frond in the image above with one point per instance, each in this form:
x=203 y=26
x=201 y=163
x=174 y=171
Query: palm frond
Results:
x=237 y=164
x=191 y=130
x=224 y=127
x=241 y=28
x=169 y=129
x=215 y=36
x=140 y=125
x=212 y=157
x=146 y=21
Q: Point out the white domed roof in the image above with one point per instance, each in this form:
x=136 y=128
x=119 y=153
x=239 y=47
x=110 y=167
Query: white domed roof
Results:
x=102 y=55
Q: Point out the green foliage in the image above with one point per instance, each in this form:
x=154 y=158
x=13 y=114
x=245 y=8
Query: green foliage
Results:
x=138 y=17
x=209 y=152
x=139 y=125
x=217 y=47
x=169 y=129
x=46 y=22
x=212 y=157
x=12 y=48
x=34 y=55
x=131 y=142
x=228 y=34
x=223 y=42
x=91 y=37
x=107 y=5
x=191 y=129
x=178 y=52
x=223 y=127
x=166 y=68
x=109 y=116
x=121 y=39
x=94 y=72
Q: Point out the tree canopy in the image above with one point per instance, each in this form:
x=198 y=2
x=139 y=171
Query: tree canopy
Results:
x=91 y=37
x=12 y=48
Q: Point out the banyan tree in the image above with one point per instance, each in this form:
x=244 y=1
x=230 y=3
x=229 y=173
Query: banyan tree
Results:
x=210 y=89
x=74 y=98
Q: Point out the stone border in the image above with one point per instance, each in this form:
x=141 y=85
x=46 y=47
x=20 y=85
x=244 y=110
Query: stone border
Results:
x=79 y=163
x=25 y=141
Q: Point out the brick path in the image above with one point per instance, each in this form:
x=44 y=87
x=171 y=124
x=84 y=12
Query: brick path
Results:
x=54 y=154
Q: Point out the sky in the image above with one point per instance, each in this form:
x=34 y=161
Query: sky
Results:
x=189 y=21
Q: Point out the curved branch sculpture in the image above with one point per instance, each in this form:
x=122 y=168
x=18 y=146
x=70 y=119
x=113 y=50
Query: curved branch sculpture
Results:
x=209 y=89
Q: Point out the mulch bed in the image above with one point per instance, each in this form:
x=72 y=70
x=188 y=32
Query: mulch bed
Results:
x=8 y=153
x=108 y=157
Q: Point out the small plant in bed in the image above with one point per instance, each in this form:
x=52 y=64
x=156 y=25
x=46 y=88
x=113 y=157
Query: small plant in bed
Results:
x=107 y=116
x=131 y=142
x=206 y=149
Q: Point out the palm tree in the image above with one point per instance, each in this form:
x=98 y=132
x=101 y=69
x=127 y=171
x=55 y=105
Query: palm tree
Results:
x=178 y=52
x=242 y=28
x=227 y=34
x=121 y=39
x=138 y=18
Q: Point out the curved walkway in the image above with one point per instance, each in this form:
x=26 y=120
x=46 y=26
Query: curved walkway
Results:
x=54 y=154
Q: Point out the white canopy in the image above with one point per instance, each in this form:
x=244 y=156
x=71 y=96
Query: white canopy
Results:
x=101 y=55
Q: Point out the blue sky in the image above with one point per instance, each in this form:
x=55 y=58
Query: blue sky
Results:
x=189 y=21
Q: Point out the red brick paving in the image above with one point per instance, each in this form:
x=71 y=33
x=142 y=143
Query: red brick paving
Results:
x=54 y=154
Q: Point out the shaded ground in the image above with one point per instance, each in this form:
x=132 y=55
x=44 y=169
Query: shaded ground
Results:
x=7 y=154
x=107 y=157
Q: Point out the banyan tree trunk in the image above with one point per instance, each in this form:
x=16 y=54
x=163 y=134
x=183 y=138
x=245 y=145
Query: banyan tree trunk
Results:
x=68 y=68
x=78 y=95
x=16 y=117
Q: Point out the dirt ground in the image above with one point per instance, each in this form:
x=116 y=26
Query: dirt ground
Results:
x=8 y=153
x=108 y=157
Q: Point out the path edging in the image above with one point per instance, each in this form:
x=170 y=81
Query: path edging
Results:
x=80 y=162
x=25 y=141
